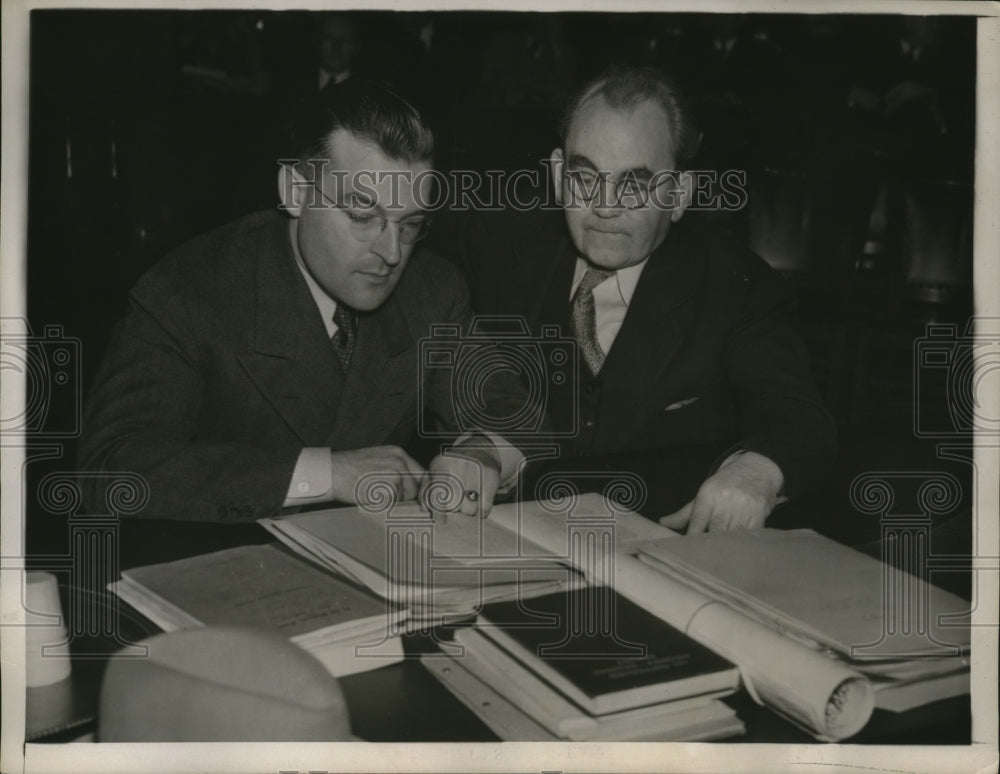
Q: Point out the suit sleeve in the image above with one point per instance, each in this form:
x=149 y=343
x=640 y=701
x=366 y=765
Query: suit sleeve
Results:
x=781 y=414
x=143 y=415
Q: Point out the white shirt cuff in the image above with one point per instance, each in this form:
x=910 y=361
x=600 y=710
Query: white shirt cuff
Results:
x=312 y=478
x=732 y=457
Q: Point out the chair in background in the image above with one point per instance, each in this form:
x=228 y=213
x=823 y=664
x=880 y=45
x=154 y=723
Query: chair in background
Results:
x=929 y=237
x=936 y=243
x=811 y=228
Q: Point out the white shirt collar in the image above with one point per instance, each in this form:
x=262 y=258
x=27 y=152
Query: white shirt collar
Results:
x=326 y=76
x=326 y=305
x=627 y=278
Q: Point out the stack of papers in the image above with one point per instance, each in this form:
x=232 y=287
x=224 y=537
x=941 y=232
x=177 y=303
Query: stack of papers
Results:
x=347 y=629
x=896 y=628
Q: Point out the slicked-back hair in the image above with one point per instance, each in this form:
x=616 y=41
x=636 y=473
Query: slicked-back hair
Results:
x=624 y=87
x=371 y=111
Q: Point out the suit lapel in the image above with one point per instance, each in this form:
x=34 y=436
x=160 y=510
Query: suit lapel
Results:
x=655 y=327
x=292 y=364
x=381 y=381
x=555 y=254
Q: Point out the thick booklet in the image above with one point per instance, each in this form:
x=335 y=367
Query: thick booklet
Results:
x=604 y=652
x=346 y=628
x=435 y=566
x=547 y=706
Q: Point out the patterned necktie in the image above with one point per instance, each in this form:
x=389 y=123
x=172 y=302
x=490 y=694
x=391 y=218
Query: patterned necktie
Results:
x=584 y=319
x=347 y=331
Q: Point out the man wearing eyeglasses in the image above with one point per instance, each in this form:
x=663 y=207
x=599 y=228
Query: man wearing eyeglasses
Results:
x=274 y=361
x=691 y=370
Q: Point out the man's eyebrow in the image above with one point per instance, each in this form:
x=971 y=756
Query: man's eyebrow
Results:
x=362 y=199
x=579 y=160
x=369 y=204
x=365 y=201
x=640 y=173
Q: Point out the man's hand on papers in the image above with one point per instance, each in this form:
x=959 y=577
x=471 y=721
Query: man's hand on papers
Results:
x=371 y=468
x=463 y=480
x=740 y=495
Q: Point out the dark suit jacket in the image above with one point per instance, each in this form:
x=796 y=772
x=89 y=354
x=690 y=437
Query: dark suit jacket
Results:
x=222 y=371
x=708 y=356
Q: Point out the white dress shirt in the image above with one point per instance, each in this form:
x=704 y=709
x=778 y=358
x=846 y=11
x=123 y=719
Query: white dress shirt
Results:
x=312 y=478
x=611 y=299
x=325 y=76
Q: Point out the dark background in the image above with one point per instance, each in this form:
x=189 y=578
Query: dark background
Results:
x=859 y=161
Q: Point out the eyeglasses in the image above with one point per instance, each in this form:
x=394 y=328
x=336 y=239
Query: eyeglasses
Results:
x=366 y=226
x=630 y=192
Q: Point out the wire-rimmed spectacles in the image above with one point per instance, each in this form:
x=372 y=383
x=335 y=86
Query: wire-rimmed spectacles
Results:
x=366 y=224
x=630 y=192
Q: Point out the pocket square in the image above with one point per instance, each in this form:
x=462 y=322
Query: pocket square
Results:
x=681 y=404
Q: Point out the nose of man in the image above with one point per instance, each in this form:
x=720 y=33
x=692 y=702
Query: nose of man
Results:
x=607 y=205
x=387 y=246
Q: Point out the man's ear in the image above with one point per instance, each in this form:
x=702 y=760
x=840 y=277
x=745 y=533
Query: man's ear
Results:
x=556 y=162
x=685 y=186
x=290 y=194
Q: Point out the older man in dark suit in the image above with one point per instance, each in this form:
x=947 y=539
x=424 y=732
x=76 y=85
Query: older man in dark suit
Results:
x=688 y=343
x=274 y=361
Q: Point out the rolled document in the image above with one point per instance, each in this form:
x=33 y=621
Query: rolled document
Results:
x=816 y=692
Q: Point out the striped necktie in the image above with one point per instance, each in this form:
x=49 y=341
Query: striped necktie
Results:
x=347 y=330
x=584 y=318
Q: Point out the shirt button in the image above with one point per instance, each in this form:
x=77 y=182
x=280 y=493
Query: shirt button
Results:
x=588 y=423
x=303 y=487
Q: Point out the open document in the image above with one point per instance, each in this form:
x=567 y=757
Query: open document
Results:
x=435 y=566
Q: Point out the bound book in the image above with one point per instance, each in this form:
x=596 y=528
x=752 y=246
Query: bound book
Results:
x=494 y=667
x=346 y=628
x=603 y=652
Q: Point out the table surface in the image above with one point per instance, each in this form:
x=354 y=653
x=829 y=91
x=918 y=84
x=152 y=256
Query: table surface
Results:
x=389 y=704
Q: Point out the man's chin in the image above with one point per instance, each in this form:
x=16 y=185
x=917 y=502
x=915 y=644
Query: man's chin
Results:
x=370 y=299
x=608 y=259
